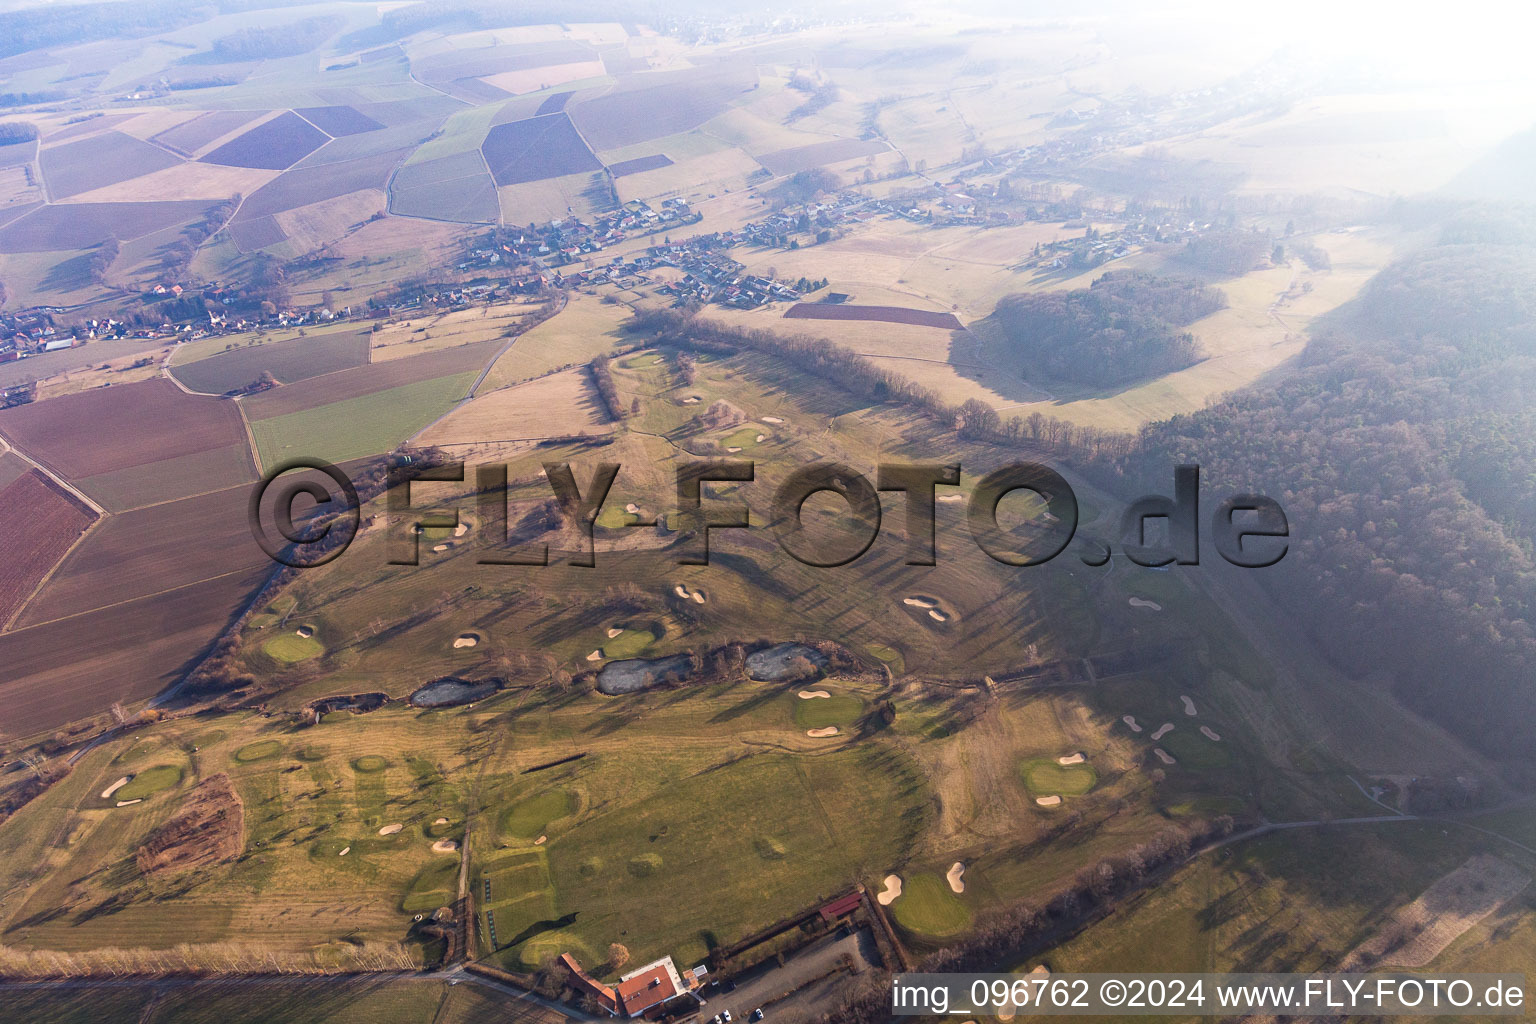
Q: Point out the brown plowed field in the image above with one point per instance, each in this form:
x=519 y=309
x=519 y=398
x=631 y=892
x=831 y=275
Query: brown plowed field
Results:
x=72 y=668
x=365 y=380
x=274 y=145
x=107 y=429
x=42 y=521
x=150 y=551
x=884 y=314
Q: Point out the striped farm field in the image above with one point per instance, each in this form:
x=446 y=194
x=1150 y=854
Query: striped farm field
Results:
x=883 y=314
x=45 y=521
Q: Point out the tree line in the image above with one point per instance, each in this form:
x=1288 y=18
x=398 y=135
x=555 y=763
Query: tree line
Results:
x=861 y=376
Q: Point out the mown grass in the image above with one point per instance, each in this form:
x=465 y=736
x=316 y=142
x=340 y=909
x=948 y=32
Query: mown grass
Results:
x=840 y=709
x=1045 y=777
x=928 y=909
x=148 y=783
x=290 y=648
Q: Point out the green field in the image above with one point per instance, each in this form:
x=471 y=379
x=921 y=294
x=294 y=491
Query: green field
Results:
x=1045 y=777
x=928 y=910
x=290 y=648
x=148 y=783
x=358 y=427
x=840 y=709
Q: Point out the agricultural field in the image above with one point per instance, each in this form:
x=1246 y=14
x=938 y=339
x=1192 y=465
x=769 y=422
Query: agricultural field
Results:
x=360 y=381
x=150 y=551
x=882 y=314
x=192 y=136
x=644 y=107
x=48 y=521
x=274 y=145
x=819 y=154
x=97 y=161
x=107 y=430
x=536 y=148
x=562 y=403
x=370 y=423
x=585 y=328
x=286 y=361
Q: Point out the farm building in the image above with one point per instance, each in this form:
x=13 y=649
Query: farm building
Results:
x=641 y=992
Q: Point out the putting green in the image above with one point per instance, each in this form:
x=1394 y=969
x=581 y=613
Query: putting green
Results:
x=1045 y=777
x=627 y=644
x=746 y=437
x=529 y=818
x=840 y=710
x=291 y=648
x=258 y=751
x=927 y=908
x=369 y=763
x=148 y=783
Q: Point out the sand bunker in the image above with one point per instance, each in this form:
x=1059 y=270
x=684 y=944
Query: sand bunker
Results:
x=445 y=846
x=130 y=803
x=439 y=547
x=441 y=821
x=830 y=730
x=733 y=449
x=389 y=830
x=937 y=616
x=304 y=631
x=892 y=890
x=950 y=499
x=1130 y=720
x=956 y=877
x=692 y=400
x=698 y=597
x=760 y=438
x=1076 y=758
x=1162 y=730
x=1048 y=801
x=1210 y=733
x=344 y=851
x=1164 y=756
x=541 y=840
x=615 y=632
x=466 y=640
x=813 y=694
x=680 y=590
x=920 y=602
x=461 y=529
x=1137 y=602
x=106 y=794
x=772 y=419
x=1189 y=706
x=632 y=509
x=595 y=655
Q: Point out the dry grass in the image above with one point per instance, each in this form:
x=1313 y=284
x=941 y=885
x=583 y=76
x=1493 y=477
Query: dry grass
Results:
x=535 y=79
x=418 y=334
x=562 y=403
x=1420 y=931
x=111 y=371
x=189 y=180
x=310 y=227
x=586 y=327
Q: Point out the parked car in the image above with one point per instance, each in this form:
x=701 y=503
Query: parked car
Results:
x=756 y=1015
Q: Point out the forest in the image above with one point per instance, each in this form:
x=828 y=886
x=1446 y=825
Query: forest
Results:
x=1122 y=328
x=1404 y=452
